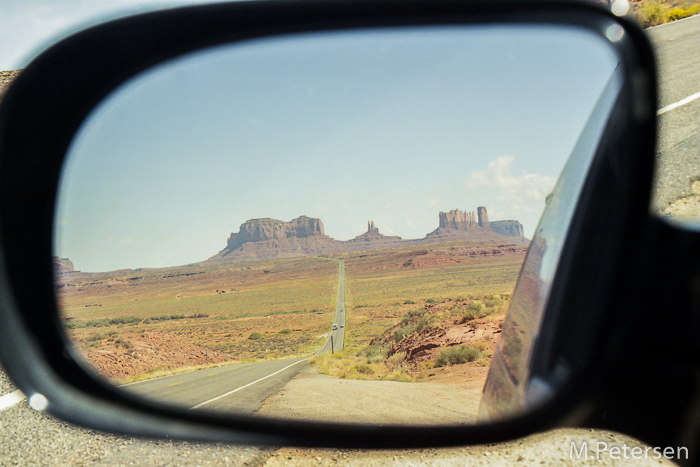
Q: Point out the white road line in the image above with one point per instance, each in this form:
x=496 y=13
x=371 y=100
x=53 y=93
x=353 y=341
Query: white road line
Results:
x=249 y=384
x=681 y=102
x=11 y=399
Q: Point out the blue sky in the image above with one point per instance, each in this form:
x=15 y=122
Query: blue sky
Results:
x=29 y=26
x=390 y=127
x=386 y=126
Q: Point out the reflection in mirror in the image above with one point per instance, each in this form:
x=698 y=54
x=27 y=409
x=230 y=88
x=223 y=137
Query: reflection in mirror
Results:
x=325 y=227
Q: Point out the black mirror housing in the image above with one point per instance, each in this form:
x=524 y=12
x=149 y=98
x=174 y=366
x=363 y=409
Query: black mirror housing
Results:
x=48 y=102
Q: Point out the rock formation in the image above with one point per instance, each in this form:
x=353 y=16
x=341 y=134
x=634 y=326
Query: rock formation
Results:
x=371 y=228
x=457 y=219
x=267 y=238
x=260 y=230
x=483 y=217
x=62 y=265
x=510 y=228
x=373 y=239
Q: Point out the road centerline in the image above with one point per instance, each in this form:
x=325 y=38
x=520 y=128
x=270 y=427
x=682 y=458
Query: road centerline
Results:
x=680 y=103
x=249 y=384
x=10 y=400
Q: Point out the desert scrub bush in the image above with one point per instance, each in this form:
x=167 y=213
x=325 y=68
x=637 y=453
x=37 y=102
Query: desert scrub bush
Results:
x=474 y=310
x=124 y=320
x=432 y=300
x=363 y=369
x=396 y=360
x=285 y=331
x=74 y=324
x=651 y=14
x=409 y=302
x=255 y=336
x=373 y=353
x=95 y=337
x=400 y=333
x=679 y=13
x=457 y=355
x=412 y=314
x=399 y=374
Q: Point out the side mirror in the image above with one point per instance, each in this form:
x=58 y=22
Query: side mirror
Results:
x=161 y=133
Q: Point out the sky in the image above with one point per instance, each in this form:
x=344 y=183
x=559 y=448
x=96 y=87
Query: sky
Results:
x=29 y=26
x=392 y=127
x=389 y=126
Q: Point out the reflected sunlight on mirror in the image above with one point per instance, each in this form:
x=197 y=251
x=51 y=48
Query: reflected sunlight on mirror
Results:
x=326 y=226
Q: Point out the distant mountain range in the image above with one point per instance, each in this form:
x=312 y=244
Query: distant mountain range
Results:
x=266 y=238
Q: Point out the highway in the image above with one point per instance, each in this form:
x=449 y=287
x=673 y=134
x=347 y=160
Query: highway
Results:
x=240 y=388
x=678 y=155
x=336 y=338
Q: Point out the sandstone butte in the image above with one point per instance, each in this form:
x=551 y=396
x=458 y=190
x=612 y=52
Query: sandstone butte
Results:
x=259 y=239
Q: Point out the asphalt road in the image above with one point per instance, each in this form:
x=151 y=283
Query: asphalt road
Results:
x=678 y=156
x=336 y=338
x=239 y=388
x=232 y=388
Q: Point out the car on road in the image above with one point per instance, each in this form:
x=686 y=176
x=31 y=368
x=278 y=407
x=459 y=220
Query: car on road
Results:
x=599 y=276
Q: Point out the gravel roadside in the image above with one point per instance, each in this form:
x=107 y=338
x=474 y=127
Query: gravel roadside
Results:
x=29 y=438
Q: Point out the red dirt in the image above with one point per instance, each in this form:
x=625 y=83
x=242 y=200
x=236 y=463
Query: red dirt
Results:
x=131 y=354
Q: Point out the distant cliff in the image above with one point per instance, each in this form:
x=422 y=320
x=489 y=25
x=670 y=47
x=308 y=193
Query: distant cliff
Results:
x=260 y=230
x=267 y=238
x=62 y=265
x=508 y=228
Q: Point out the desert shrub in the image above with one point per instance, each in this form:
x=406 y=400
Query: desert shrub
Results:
x=124 y=320
x=432 y=300
x=412 y=314
x=285 y=331
x=363 y=369
x=423 y=323
x=481 y=346
x=96 y=323
x=373 y=353
x=457 y=355
x=651 y=14
x=255 y=336
x=400 y=333
x=74 y=324
x=676 y=13
x=409 y=302
x=147 y=321
x=474 y=310
x=95 y=337
x=399 y=374
x=397 y=360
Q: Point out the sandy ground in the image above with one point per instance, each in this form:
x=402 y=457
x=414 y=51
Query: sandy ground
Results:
x=544 y=449
x=317 y=397
x=310 y=395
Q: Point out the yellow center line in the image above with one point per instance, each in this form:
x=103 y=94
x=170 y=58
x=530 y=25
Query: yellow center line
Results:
x=175 y=384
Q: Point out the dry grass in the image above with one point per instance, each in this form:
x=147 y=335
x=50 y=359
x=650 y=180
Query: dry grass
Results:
x=286 y=305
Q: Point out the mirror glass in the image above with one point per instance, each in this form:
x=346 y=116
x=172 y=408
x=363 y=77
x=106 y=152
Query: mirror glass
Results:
x=326 y=226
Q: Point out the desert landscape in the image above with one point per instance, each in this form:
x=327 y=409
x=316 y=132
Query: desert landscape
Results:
x=424 y=310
